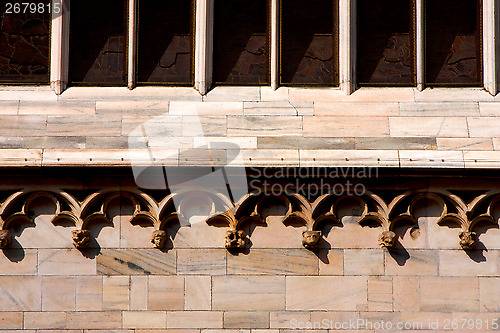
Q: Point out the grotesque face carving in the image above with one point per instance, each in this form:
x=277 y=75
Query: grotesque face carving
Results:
x=81 y=238
x=387 y=239
x=159 y=239
x=468 y=239
x=5 y=239
x=235 y=239
x=310 y=239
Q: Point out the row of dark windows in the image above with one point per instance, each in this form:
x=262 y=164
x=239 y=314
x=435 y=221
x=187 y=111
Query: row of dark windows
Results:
x=385 y=43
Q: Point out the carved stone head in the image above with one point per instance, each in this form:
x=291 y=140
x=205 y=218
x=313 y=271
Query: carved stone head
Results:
x=159 y=239
x=310 y=239
x=387 y=239
x=5 y=239
x=235 y=239
x=81 y=238
x=468 y=239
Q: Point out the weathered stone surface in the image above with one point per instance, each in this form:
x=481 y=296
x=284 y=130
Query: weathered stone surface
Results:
x=411 y=143
x=411 y=262
x=136 y=261
x=281 y=319
x=138 y=292
x=449 y=294
x=439 y=109
x=58 y=293
x=194 y=319
x=331 y=262
x=345 y=126
x=363 y=262
x=88 y=293
x=94 y=320
x=20 y=293
x=116 y=292
x=273 y=262
x=380 y=293
x=248 y=293
x=298 y=142
x=144 y=319
x=406 y=293
x=341 y=293
x=460 y=263
x=489 y=294
x=45 y=320
x=246 y=319
x=198 y=293
x=201 y=261
x=429 y=126
x=11 y=320
x=165 y=293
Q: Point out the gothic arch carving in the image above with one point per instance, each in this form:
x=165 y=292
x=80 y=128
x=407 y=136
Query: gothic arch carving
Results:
x=454 y=210
x=9 y=214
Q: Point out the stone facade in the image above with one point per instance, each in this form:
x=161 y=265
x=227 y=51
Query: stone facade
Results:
x=436 y=128
x=195 y=283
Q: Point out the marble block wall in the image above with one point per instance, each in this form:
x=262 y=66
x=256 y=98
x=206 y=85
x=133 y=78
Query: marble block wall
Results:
x=124 y=285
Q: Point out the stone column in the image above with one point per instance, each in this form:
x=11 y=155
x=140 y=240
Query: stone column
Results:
x=59 y=51
x=132 y=44
x=275 y=31
x=203 y=53
x=420 y=43
x=347 y=45
x=489 y=46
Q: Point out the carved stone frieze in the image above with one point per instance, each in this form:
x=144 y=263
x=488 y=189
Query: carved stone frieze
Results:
x=5 y=239
x=312 y=216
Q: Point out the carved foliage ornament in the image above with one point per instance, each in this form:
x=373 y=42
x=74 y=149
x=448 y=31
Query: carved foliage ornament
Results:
x=251 y=209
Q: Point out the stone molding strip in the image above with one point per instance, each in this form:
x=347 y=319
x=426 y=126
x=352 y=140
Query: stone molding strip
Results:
x=258 y=158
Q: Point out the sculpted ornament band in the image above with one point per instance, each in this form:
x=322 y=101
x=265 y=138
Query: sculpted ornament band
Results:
x=250 y=209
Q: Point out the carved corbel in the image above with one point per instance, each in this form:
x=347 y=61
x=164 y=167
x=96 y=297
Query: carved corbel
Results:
x=84 y=217
x=26 y=197
x=468 y=216
x=322 y=210
x=5 y=239
x=248 y=209
x=389 y=216
x=171 y=210
x=236 y=238
x=375 y=210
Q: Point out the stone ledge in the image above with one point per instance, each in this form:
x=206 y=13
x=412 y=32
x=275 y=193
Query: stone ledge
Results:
x=455 y=159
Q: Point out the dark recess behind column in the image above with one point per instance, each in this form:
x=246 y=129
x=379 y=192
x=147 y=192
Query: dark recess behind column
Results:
x=453 y=42
x=165 y=42
x=24 y=44
x=309 y=42
x=241 y=43
x=385 y=43
x=97 y=42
